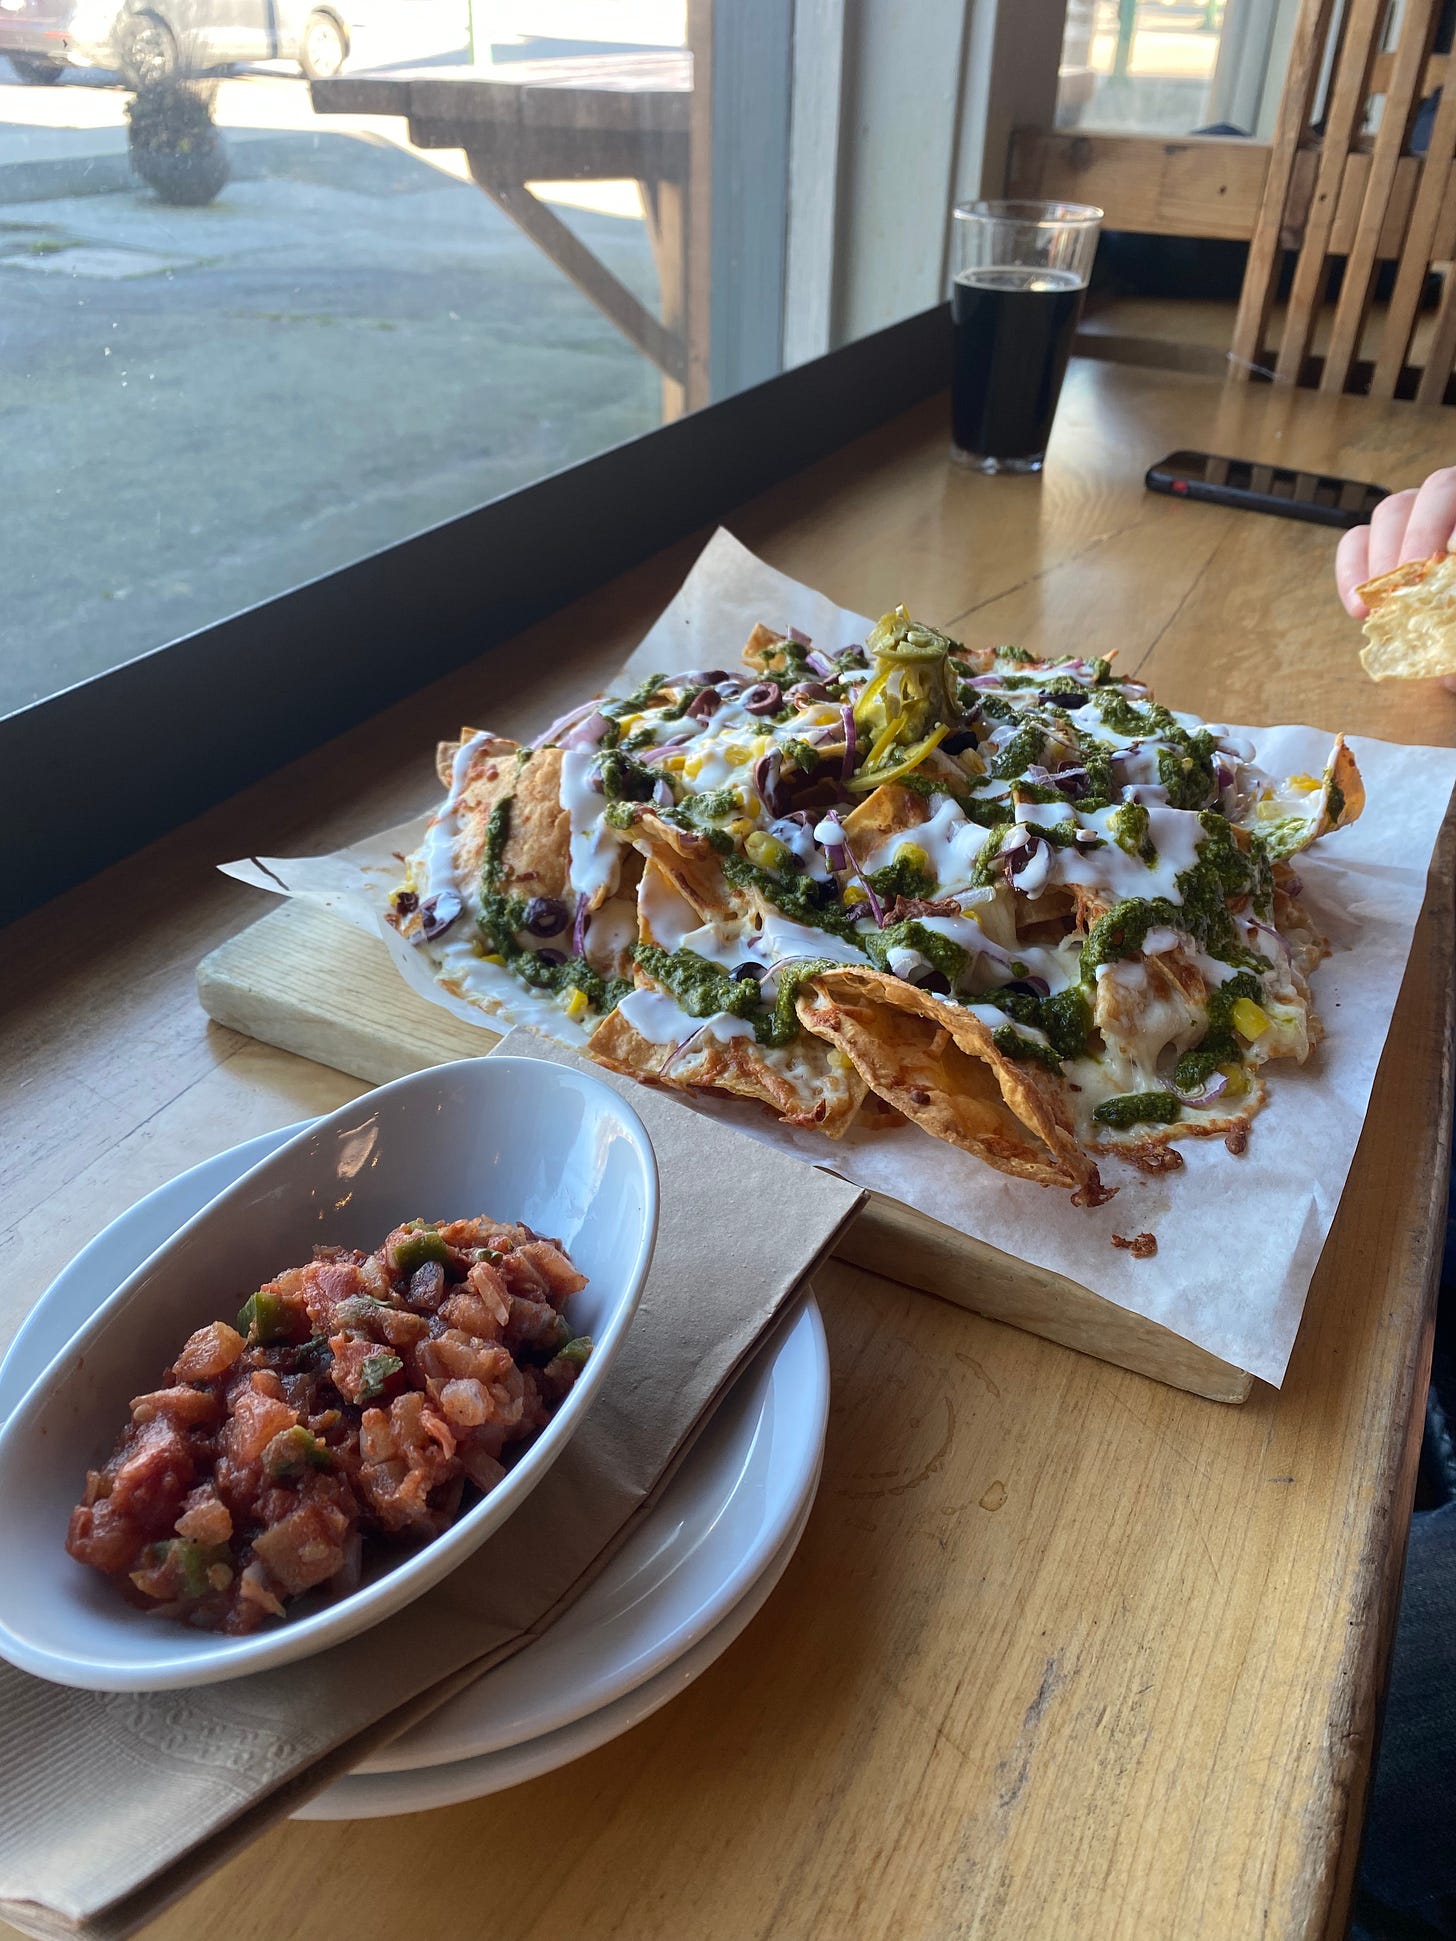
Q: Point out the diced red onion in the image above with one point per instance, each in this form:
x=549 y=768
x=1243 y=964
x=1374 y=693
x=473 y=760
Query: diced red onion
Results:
x=764 y=697
x=1293 y=883
x=568 y=720
x=851 y=741
x=1269 y=931
x=987 y=683
x=588 y=732
x=831 y=838
x=800 y=639
x=1215 y=1087
x=821 y=664
x=578 y=928
x=662 y=795
x=662 y=751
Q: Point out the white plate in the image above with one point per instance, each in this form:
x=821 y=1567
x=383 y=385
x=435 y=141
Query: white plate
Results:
x=540 y=1142
x=740 y=1497
x=374 y=1796
x=742 y=1488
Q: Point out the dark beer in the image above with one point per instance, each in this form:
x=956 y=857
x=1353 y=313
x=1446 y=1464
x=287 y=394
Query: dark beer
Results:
x=1013 y=335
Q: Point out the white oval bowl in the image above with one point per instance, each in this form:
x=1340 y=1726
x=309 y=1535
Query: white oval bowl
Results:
x=515 y=1138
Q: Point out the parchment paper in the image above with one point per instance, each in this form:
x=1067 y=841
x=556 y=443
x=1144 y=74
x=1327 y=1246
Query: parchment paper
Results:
x=1238 y=1239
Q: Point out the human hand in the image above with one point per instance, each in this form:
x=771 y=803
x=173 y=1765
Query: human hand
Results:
x=1408 y=525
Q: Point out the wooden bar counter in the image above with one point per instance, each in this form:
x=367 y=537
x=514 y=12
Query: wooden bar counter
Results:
x=1063 y=1652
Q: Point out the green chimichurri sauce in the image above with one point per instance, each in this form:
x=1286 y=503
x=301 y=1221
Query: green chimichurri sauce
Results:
x=502 y=916
x=625 y=779
x=1218 y=1045
x=942 y=953
x=705 y=990
x=902 y=876
x=799 y=897
x=1010 y=1043
x=1138 y=1108
x=1129 y=826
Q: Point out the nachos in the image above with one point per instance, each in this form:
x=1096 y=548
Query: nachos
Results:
x=1411 y=627
x=1014 y=901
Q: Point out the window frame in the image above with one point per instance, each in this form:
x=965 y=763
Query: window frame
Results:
x=152 y=743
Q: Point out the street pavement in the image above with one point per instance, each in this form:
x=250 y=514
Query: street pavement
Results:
x=200 y=408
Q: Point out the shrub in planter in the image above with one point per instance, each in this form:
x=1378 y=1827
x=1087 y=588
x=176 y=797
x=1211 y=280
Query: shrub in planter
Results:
x=173 y=141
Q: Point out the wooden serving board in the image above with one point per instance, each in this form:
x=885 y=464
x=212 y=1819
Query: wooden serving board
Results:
x=312 y=984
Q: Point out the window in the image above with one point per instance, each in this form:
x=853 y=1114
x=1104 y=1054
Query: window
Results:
x=283 y=282
x=1174 y=67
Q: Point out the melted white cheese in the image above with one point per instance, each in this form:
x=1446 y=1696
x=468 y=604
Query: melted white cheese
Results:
x=596 y=857
x=435 y=869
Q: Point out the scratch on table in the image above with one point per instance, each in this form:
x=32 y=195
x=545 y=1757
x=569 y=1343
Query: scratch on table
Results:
x=1015 y=1769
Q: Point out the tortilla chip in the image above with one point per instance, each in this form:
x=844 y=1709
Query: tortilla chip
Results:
x=536 y=860
x=1411 y=629
x=886 y=811
x=806 y=1083
x=763 y=644
x=937 y=1065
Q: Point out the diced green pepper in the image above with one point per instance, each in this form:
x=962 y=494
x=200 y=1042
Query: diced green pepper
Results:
x=293 y=1450
x=264 y=1318
x=576 y=1351
x=416 y=1248
x=192 y=1561
x=375 y=1372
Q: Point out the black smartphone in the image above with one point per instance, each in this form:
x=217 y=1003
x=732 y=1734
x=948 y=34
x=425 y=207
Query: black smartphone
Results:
x=1240 y=482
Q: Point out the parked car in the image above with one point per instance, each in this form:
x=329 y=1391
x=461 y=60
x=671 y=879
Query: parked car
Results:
x=146 y=40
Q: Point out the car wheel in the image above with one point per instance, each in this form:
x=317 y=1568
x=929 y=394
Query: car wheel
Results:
x=148 y=50
x=34 y=71
x=322 y=48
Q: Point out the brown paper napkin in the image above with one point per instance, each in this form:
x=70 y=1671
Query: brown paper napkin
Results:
x=111 y=1806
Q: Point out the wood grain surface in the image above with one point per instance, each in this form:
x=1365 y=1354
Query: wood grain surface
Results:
x=1063 y=1653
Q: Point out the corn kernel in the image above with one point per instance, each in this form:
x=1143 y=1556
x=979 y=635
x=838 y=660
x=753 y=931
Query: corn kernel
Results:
x=741 y=826
x=1267 y=809
x=766 y=850
x=677 y=763
x=1238 y=1081
x=693 y=766
x=735 y=754
x=493 y=957
x=1306 y=784
x=855 y=893
x=912 y=856
x=576 y=1004
x=761 y=746
x=1250 y=1020
x=629 y=722
x=841 y=1061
